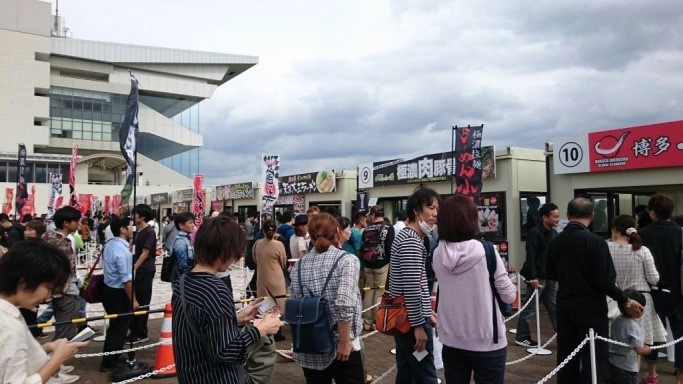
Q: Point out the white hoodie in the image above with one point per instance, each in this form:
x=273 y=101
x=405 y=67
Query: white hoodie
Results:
x=465 y=318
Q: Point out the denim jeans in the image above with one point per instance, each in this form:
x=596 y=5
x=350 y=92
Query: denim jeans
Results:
x=409 y=370
x=548 y=296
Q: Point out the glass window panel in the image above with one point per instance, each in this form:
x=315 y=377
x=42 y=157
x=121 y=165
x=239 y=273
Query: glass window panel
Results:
x=87 y=135
x=55 y=111
x=97 y=116
x=67 y=113
x=77 y=125
x=67 y=125
x=87 y=115
x=77 y=134
x=3 y=171
x=106 y=136
x=55 y=123
x=76 y=113
x=106 y=117
x=40 y=173
x=87 y=126
x=12 y=171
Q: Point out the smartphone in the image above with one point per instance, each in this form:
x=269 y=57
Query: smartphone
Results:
x=267 y=304
x=83 y=335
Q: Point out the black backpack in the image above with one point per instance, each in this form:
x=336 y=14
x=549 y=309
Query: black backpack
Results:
x=374 y=237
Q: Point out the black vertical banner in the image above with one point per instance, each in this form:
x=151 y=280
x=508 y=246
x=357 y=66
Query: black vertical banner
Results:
x=22 y=192
x=468 y=161
x=362 y=201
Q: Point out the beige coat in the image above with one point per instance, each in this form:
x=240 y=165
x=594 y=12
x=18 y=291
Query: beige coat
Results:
x=271 y=260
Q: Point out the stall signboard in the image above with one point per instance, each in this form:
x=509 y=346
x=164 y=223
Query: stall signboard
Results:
x=184 y=195
x=492 y=218
x=159 y=198
x=427 y=168
x=235 y=191
x=648 y=146
x=296 y=201
x=314 y=182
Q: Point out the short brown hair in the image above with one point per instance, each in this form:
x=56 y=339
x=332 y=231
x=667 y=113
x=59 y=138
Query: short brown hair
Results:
x=219 y=239
x=323 y=229
x=661 y=205
x=458 y=219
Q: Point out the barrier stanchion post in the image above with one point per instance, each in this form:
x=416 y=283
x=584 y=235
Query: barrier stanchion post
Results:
x=594 y=371
x=538 y=350
x=519 y=299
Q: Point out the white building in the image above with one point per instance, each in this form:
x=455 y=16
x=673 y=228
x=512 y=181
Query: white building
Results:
x=56 y=92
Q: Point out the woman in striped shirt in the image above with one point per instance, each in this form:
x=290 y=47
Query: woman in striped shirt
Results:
x=207 y=344
x=407 y=277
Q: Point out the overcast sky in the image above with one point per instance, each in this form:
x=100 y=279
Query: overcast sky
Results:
x=340 y=83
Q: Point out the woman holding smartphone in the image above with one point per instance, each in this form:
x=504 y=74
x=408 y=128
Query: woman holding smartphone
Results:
x=31 y=271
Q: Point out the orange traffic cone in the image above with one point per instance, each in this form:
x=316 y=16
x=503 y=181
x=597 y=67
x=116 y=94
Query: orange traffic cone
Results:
x=165 y=351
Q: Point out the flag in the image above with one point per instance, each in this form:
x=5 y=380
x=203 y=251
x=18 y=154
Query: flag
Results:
x=107 y=200
x=73 y=198
x=128 y=136
x=468 y=161
x=270 y=171
x=115 y=204
x=22 y=192
x=30 y=206
x=198 y=204
x=55 y=193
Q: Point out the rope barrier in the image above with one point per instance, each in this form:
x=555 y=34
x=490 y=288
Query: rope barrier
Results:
x=384 y=375
x=82 y=320
x=85 y=355
x=146 y=375
x=525 y=358
x=564 y=362
x=528 y=302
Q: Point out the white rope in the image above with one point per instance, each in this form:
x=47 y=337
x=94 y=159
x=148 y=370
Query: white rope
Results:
x=384 y=375
x=659 y=346
x=525 y=358
x=528 y=302
x=80 y=356
x=146 y=375
x=564 y=362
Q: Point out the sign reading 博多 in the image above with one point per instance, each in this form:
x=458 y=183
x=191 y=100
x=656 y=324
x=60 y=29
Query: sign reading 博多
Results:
x=648 y=146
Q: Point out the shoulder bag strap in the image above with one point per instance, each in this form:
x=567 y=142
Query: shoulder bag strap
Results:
x=628 y=270
x=329 y=275
x=92 y=269
x=491 y=256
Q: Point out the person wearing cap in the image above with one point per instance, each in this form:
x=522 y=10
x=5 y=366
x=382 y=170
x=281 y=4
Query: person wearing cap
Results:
x=298 y=243
x=377 y=240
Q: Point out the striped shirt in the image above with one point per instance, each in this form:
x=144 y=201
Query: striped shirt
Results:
x=407 y=275
x=216 y=356
x=342 y=295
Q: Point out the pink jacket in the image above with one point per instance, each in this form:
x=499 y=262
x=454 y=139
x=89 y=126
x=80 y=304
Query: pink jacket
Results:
x=465 y=320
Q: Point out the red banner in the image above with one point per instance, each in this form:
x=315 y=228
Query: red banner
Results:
x=30 y=206
x=73 y=198
x=107 y=199
x=115 y=203
x=85 y=202
x=648 y=146
x=198 y=204
x=9 y=196
x=217 y=205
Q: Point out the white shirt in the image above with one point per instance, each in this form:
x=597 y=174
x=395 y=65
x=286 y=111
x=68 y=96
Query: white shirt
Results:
x=399 y=226
x=21 y=356
x=297 y=244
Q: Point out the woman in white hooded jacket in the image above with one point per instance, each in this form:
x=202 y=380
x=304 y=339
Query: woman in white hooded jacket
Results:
x=465 y=317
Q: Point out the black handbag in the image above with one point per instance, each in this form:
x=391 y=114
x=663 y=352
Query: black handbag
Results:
x=168 y=265
x=663 y=300
x=307 y=318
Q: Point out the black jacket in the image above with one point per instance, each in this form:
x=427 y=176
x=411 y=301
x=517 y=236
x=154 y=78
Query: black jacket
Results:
x=536 y=244
x=581 y=263
x=665 y=240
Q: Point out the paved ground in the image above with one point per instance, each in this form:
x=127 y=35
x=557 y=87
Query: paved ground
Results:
x=378 y=358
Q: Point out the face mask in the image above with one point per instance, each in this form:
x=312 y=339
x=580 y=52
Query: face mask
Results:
x=424 y=227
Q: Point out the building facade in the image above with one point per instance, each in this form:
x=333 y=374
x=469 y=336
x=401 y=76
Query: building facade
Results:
x=57 y=92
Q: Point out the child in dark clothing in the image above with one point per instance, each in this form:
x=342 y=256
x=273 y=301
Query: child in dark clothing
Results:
x=624 y=360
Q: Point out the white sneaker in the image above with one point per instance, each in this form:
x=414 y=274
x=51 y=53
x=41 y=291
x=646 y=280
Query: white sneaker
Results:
x=66 y=368
x=63 y=378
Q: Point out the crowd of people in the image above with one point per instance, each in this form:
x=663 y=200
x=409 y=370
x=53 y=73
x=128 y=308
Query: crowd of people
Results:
x=351 y=263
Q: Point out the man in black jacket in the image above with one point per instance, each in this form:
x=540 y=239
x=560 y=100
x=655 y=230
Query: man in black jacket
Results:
x=663 y=237
x=536 y=244
x=581 y=264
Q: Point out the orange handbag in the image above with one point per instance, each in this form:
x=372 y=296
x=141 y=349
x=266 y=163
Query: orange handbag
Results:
x=392 y=316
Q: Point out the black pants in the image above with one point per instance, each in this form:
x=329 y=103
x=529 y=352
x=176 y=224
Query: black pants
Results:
x=115 y=300
x=343 y=372
x=572 y=328
x=488 y=367
x=622 y=376
x=30 y=317
x=143 y=294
